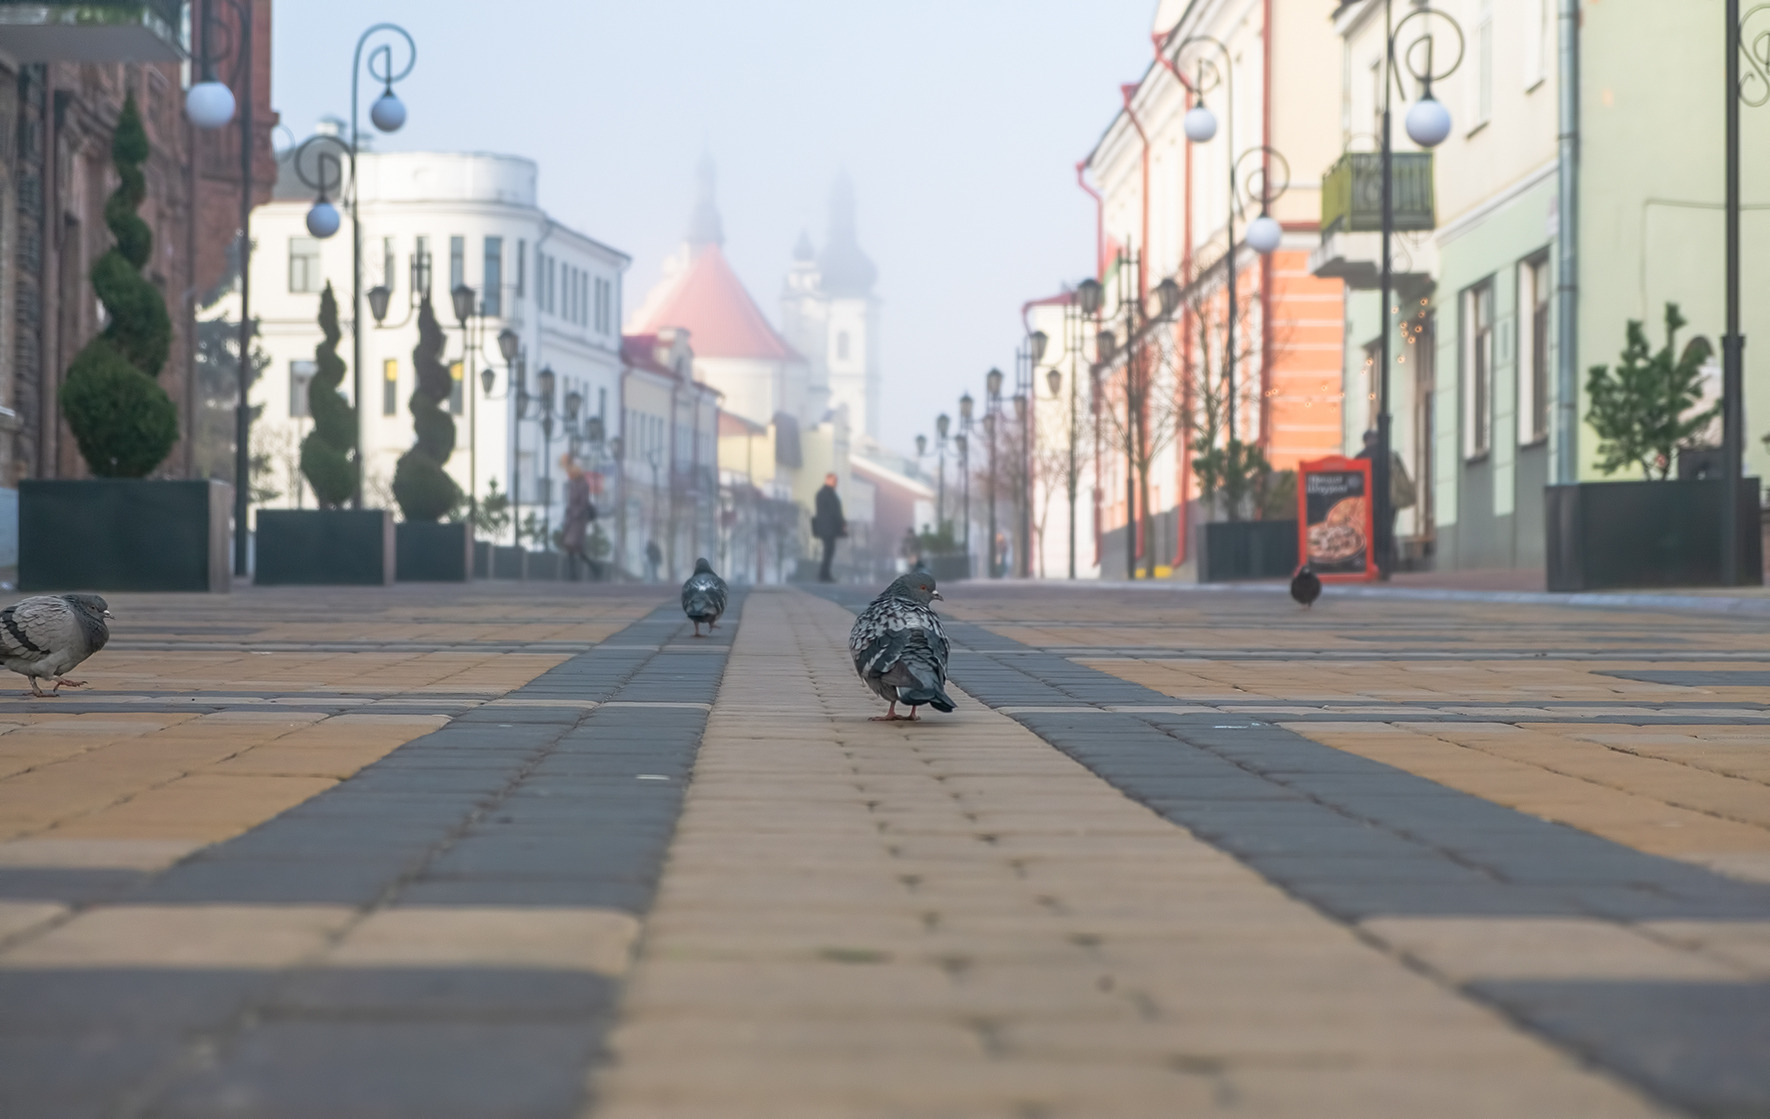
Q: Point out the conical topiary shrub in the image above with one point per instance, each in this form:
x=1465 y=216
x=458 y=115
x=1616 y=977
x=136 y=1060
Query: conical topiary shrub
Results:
x=422 y=487
x=123 y=421
x=328 y=452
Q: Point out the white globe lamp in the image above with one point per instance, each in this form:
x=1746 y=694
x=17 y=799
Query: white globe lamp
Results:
x=388 y=112
x=209 y=105
x=323 y=220
x=1428 y=121
x=1200 y=124
x=1264 y=234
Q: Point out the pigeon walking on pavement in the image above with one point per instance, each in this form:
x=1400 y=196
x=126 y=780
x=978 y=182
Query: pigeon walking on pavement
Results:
x=1306 y=586
x=47 y=636
x=703 y=597
x=899 y=648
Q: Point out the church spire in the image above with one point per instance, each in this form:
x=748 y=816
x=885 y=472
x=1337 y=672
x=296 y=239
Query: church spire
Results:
x=846 y=269
x=704 y=227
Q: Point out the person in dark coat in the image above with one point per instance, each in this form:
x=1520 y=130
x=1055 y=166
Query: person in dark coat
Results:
x=579 y=516
x=828 y=525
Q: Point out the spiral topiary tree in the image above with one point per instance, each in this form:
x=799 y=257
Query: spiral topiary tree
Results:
x=421 y=485
x=122 y=420
x=328 y=452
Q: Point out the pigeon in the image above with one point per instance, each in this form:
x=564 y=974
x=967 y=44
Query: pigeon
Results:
x=703 y=597
x=47 y=636
x=899 y=648
x=1306 y=586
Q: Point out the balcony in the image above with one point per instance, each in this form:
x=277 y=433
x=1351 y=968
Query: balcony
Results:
x=1352 y=220
x=93 y=31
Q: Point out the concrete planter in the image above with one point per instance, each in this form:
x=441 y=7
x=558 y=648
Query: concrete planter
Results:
x=325 y=547
x=124 y=534
x=482 y=559
x=948 y=568
x=1606 y=535
x=545 y=566
x=507 y=562
x=1231 y=550
x=433 y=552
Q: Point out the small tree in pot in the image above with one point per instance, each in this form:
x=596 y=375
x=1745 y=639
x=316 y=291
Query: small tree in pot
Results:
x=421 y=485
x=122 y=420
x=327 y=454
x=1643 y=411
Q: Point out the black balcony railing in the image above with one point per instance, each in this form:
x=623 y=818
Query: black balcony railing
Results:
x=1352 y=193
x=93 y=30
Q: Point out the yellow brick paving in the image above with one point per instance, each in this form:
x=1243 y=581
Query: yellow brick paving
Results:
x=1699 y=792
x=141 y=789
x=955 y=919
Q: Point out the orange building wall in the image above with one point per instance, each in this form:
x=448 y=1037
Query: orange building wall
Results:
x=1308 y=324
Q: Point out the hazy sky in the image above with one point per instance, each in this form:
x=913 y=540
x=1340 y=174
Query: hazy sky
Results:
x=960 y=121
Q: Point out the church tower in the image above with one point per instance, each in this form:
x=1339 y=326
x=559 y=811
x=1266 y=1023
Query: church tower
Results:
x=830 y=314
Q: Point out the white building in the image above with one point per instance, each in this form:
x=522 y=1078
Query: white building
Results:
x=431 y=222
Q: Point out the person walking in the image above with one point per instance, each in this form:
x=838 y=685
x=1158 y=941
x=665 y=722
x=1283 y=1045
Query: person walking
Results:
x=828 y=525
x=1401 y=487
x=910 y=551
x=654 y=557
x=579 y=516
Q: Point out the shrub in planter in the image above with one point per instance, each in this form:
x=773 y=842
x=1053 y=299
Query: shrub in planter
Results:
x=1642 y=411
x=122 y=420
x=328 y=453
x=421 y=485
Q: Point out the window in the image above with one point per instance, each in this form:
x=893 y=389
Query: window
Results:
x=491 y=300
x=540 y=280
x=389 y=269
x=521 y=265
x=1478 y=370
x=455 y=383
x=421 y=265
x=1537 y=37
x=300 y=376
x=304 y=264
x=457 y=262
x=1534 y=291
x=1483 y=63
x=389 y=387
x=842 y=346
x=552 y=286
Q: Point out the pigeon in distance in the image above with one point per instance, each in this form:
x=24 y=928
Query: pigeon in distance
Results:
x=1306 y=586
x=47 y=636
x=899 y=648
x=703 y=597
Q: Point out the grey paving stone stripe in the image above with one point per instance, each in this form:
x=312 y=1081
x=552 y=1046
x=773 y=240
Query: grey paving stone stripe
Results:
x=1359 y=839
x=545 y=806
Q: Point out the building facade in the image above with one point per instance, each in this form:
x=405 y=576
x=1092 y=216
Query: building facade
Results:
x=433 y=222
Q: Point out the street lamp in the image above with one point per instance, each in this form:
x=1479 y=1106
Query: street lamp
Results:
x=992 y=407
x=962 y=443
x=1428 y=124
x=209 y=105
x=1733 y=341
x=545 y=381
x=943 y=424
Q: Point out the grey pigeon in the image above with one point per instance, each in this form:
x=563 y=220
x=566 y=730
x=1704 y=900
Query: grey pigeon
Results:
x=47 y=636
x=1306 y=587
x=703 y=597
x=899 y=648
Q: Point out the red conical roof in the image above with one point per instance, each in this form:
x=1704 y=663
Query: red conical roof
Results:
x=709 y=301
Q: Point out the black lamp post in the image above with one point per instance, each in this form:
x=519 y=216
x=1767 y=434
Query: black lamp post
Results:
x=545 y=381
x=209 y=105
x=1733 y=342
x=1085 y=310
x=516 y=392
x=992 y=410
x=388 y=114
x=963 y=444
x=463 y=298
x=943 y=425
x=1428 y=124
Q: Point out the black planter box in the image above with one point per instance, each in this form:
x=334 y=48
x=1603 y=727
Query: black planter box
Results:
x=324 y=547
x=1247 y=550
x=433 y=552
x=482 y=559
x=544 y=566
x=507 y=562
x=123 y=534
x=949 y=568
x=1610 y=535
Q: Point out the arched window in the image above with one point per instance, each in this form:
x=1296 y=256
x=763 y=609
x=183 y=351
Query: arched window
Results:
x=842 y=346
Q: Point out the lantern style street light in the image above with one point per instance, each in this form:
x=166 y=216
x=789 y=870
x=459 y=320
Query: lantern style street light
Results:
x=943 y=425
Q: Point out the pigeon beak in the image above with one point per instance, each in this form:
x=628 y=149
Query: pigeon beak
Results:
x=937 y=594
x=108 y=614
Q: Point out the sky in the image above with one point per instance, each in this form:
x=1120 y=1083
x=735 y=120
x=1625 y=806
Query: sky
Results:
x=960 y=122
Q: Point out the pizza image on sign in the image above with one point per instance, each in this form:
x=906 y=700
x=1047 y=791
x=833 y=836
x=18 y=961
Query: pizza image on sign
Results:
x=1334 y=517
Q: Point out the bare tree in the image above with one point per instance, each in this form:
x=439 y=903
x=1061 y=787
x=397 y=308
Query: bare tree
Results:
x=1227 y=466
x=1141 y=412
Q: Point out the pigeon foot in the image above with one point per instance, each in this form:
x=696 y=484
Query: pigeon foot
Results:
x=63 y=682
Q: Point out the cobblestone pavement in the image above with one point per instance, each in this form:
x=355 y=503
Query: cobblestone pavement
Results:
x=515 y=851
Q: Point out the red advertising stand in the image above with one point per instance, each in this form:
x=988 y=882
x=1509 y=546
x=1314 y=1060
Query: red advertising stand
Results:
x=1335 y=522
